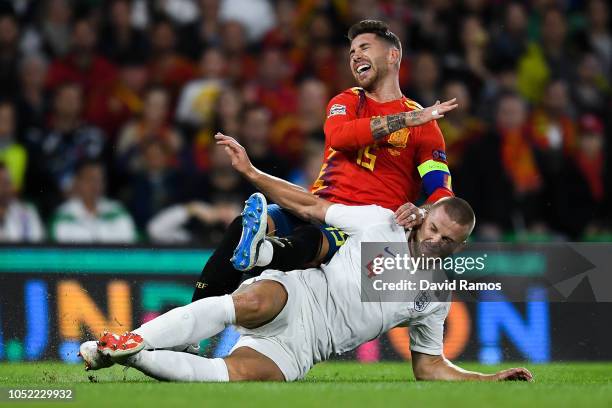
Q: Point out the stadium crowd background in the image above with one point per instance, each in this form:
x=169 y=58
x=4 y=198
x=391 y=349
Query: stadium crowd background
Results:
x=108 y=109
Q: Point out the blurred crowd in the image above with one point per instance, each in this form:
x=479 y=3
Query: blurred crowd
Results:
x=108 y=109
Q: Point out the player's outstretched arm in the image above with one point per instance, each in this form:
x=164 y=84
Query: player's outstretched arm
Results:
x=385 y=125
x=294 y=198
x=438 y=368
x=348 y=133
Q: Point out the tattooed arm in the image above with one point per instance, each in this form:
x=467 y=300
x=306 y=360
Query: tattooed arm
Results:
x=344 y=131
x=382 y=126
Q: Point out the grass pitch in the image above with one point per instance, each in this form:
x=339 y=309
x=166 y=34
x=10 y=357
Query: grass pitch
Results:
x=332 y=384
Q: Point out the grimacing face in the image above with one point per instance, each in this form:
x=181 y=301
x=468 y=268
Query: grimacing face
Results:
x=369 y=59
x=439 y=235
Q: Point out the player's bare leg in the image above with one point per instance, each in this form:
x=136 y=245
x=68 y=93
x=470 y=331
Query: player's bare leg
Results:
x=246 y=364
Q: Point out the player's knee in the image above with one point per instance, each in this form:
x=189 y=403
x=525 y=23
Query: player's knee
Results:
x=254 y=303
x=259 y=303
x=254 y=307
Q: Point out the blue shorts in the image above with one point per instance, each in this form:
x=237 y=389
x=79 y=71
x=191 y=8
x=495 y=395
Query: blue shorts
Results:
x=285 y=223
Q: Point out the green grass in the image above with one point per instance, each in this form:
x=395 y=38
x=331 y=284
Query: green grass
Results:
x=332 y=384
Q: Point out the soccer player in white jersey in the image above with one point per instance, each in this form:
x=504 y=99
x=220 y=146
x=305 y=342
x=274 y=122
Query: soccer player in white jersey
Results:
x=290 y=321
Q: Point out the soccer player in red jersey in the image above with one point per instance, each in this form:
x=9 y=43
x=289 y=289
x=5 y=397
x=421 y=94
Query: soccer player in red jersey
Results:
x=381 y=148
x=375 y=150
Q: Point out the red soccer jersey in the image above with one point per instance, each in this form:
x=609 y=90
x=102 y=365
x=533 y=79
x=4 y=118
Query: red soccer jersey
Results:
x=358 y=171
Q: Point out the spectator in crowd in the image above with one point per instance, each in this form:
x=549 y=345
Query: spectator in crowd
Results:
x=198 y=98
x=19 y=222
x=316 y=56
x=511 y=42
x=468 y=60
x=56 y=151
x=12 y=154
x=503 y=80
x=273 y=88
x=82 y=65
x=156 y=186
x=590 y=90
x=112 y=107
x=291 y=133
x=227 y=118
x=55 y=30
x=9 y=55
x=460 y=127
x=221 y=187
x=32 y=101
x=153 y=124
x=89 y=217
x=430 y=29
x=554 y=44
x=193 y=223
x=500 y=175
x=255 y=136
x=121 y=39
x=168 y=68
x=241 y=65
x=425 y=77
x=597 y=36
x=579 y=202
x=285 y=34
x=547 y=59
x=203 y=32
x=552 y=130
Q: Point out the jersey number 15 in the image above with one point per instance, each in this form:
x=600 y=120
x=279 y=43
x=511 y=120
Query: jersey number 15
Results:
x=366 y=158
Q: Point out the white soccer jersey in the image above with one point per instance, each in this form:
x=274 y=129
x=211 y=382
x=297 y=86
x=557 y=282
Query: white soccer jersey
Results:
x=324 y=313
x=352 y=321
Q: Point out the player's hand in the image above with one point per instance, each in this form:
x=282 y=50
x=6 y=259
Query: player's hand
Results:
x=514 y=374
x=436 y=111
x=240 y=159
x=409 y=215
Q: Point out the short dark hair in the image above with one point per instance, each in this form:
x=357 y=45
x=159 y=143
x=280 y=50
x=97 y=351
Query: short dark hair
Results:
x=376 y=27
x=86 y=163
x=458 y=210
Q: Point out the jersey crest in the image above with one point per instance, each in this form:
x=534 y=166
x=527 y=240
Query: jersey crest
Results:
x=421 y=301
x=399 y=138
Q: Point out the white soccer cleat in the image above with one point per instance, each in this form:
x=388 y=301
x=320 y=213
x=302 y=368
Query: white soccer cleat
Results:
x=94 y=360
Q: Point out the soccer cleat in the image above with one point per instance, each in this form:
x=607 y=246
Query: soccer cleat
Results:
x=254 y=225
x=116 y=347
x=94 y=360
x=192 y=349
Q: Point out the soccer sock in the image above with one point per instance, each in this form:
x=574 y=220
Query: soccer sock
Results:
x=294 y=251
x=266 y=252
x=190 y=323
x=168 y=365
x=219 y=276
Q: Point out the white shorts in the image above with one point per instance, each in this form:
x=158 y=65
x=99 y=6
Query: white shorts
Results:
x=290 y=339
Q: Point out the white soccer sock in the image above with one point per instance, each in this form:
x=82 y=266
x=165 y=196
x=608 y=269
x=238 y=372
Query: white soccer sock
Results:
x=266 y=251
x=190 y=323
x=175 y=366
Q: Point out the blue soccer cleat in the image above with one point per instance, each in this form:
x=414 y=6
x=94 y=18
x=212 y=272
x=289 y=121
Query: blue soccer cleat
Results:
x=254 y=226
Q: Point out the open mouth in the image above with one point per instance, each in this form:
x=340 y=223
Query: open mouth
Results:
x=363 y=68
